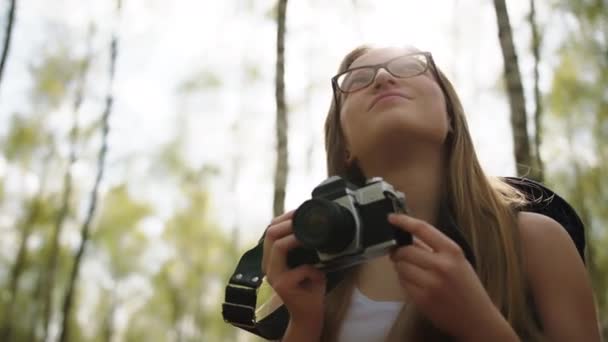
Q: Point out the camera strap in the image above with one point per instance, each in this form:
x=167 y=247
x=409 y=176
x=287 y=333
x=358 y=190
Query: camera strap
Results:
x=240 y=302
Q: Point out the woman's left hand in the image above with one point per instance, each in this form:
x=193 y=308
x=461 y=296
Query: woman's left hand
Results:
x=439 y=280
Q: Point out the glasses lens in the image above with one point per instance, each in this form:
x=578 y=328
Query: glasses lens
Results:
x=408 y=66
x=356 y=79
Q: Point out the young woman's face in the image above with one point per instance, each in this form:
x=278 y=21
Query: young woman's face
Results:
x=393 y=111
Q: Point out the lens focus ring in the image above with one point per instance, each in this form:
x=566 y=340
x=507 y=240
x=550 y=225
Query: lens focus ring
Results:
x=323 y=225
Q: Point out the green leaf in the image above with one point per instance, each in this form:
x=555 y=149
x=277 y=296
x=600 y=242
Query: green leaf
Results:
x=203 y=80
x=25 y=135
x=116 y=230
x=53 y=75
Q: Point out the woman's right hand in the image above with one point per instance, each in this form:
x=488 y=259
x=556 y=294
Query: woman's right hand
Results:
x=302 y=289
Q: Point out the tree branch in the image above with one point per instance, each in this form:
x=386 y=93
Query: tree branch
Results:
x=85 y=230
x=49 y=271
x=7 y=36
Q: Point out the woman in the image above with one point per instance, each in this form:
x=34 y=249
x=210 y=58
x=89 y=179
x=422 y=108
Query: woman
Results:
x=396 y=116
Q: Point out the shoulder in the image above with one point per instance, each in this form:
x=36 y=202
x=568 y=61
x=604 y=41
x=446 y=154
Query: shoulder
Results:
x=544 y=232
x=557 y=278
x=544 y=245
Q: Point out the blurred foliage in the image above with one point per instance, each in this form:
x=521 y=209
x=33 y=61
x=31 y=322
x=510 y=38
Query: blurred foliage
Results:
x=253 y=72
x=116 y=232
x=158 y=274
x=203 y=80
x=23 y=138
x=53 y=75
x=29 y=147
x=578 y=103
x=177 y=298
x=187 y=288
x=2 y=192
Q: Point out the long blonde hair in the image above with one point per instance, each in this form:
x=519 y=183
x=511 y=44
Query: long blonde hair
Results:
x=483 y=207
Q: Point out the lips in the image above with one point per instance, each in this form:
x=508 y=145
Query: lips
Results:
x=386 y=94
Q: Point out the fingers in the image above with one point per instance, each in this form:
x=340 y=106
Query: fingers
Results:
x=301 y=289
x=417 y=242
x=273 y=233
x=428 y=234
x=412 y=274
x=301 y=276
x=285 y=216
x=416 y=271
x=277 y=263
x=279 y=227
x=419 y=256
x=413 y=292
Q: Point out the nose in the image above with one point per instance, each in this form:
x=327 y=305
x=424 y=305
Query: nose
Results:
x=383 y=78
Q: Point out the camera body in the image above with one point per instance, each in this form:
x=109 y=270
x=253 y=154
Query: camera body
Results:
x=343 y=224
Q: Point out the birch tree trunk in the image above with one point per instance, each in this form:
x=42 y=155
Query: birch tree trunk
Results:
x=280 y=177
x=536 y=41
x=86 y=226
x=7 y=36
x=521 y=143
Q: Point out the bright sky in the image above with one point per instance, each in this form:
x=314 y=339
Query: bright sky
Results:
x=164 y=43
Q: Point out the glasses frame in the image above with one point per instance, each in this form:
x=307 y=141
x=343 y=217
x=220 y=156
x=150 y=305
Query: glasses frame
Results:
x=430 y=64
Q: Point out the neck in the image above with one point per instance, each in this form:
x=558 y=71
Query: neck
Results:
x=420 y=177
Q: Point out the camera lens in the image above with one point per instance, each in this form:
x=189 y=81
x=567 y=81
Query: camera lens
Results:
x=323 y=225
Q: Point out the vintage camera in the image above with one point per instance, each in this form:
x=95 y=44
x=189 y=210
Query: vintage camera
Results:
x=343 y=224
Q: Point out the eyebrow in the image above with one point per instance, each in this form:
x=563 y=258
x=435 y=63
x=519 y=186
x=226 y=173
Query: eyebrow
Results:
x=406 y=53
x=352 y=66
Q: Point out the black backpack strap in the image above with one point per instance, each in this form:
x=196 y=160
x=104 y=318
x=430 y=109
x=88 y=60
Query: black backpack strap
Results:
x=544 y=201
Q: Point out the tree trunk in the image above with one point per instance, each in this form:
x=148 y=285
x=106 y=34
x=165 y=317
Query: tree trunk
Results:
x=7 y=36
x=280 y=178
x=17 y=269
x=85 y=230
x=26 y=227
x=536 y=41
x=108 y=328
x=521 y=144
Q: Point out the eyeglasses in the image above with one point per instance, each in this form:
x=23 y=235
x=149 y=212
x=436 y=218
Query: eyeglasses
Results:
x=404 y=66
x=401 y=67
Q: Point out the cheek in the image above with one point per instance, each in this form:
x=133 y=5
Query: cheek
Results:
x=434 y=105
x=353 y=122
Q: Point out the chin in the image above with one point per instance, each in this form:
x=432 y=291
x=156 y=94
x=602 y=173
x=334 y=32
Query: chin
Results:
x=394 y=128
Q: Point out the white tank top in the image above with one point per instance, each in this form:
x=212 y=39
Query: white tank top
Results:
x=368 y=320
